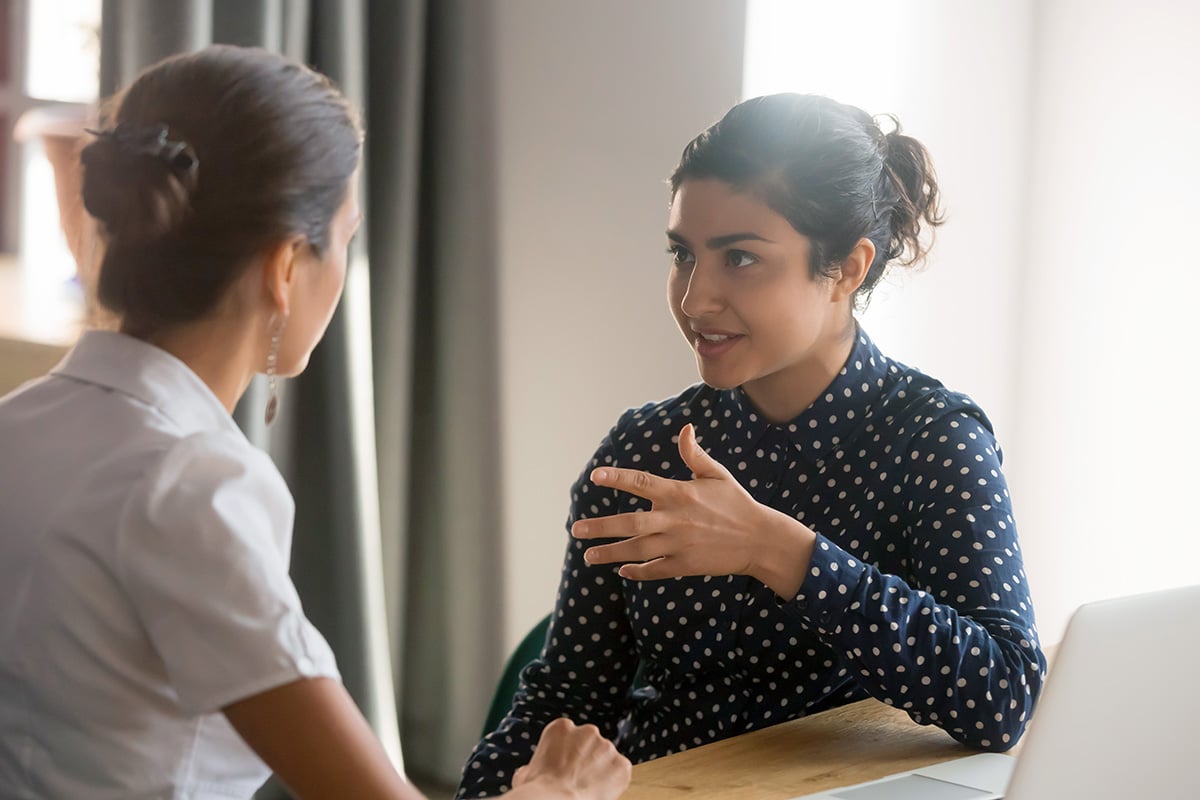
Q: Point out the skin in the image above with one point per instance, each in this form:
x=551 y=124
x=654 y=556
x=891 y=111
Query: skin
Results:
x=309 y=731
x=740 y=272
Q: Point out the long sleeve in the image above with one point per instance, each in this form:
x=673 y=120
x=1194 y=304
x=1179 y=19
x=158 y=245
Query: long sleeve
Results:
x=915 y=595
x=953 y=642
x=587 y=666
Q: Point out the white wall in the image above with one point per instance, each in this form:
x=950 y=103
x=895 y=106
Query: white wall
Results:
x=1105 y=461
x=595 y=103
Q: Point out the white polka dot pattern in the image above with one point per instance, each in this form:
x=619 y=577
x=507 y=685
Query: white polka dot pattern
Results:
x=916 y=593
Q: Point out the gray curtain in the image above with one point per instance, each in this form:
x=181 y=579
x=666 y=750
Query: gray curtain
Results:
x=389 y=439
x=452 y=644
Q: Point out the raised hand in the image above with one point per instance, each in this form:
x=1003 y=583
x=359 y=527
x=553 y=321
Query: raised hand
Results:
x=709 y=525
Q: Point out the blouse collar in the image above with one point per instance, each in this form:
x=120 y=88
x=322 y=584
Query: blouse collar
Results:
x=148 y=374
x=816 y=432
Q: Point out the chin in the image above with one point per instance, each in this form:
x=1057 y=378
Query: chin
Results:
x=720 y=380
x=300 y=365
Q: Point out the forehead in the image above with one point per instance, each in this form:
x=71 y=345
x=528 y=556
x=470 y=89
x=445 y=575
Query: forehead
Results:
x=712 y=206
x=710 y=213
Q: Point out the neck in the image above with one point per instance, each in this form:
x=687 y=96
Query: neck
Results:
x=225 y=355
x=782 y=396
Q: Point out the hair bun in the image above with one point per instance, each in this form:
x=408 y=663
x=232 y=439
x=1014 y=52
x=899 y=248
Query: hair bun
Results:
x=137 y=182
x=910 y=170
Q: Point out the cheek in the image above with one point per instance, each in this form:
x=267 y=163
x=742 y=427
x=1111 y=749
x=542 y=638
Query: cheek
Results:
x=789 y=313
x=333 y=277
x=311 y=315
x=677 y=287
x=327 y=292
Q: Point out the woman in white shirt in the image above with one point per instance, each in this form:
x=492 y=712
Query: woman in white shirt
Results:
x=152 y=644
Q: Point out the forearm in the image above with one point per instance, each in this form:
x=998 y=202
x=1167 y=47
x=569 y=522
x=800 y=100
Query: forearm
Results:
x=975 y=676
x=313 y=736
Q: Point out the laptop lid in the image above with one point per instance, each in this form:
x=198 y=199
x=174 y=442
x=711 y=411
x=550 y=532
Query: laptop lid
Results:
x=1119 y=714
x=1117 y=718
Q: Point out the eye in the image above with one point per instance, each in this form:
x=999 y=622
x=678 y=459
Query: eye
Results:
x=680 y=255
x=739 y=258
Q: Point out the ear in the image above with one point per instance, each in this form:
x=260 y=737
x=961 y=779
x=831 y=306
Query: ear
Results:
x=279 y=272
x=854 y=270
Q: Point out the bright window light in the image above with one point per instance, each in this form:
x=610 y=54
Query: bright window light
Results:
x=62 y=67
x=852 y=51
x=64 y=50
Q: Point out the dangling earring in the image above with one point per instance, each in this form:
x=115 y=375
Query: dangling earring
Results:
x=272 y=381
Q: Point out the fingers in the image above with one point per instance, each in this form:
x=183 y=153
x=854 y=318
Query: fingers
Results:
x=579 y=762
x=653 y=487
x=655 y=570
x=633 y=523
x=699 y=462
x=643 y=548
x=633 y=481
x=560 y=727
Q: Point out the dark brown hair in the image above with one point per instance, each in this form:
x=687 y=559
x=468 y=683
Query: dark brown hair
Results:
x=830 y=171
x=258 y=148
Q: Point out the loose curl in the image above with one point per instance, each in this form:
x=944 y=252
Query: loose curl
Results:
x=831 y=172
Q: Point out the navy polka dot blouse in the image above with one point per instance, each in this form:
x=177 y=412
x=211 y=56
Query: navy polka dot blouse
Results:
x=916 y=593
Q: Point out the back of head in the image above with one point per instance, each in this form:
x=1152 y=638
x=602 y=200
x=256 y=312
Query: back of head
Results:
x=209 y=158
x=829 y=170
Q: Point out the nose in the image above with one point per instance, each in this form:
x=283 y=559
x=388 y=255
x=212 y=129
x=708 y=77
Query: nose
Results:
x=702 y=295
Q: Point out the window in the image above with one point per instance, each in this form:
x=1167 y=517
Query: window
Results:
x=49 y=80
x=828 y=48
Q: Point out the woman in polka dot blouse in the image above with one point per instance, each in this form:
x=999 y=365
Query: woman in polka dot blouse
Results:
x=813 y=524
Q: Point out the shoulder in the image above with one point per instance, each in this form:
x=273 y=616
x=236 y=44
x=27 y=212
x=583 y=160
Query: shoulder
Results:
x=212 y=462
x=918 y=415
x=209 y=488
x=913 y=401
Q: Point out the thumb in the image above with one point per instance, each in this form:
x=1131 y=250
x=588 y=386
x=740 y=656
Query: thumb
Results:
x=699 y=462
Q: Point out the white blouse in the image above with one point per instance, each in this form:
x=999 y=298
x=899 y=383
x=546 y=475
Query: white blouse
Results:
x=144 y=548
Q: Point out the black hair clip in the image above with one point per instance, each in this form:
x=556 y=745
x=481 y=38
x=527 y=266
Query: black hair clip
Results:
x=152 y=141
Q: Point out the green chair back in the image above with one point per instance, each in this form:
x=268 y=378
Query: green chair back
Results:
x=510 y=680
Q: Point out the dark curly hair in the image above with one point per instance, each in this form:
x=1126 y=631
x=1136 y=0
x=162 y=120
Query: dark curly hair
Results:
x=830 y=171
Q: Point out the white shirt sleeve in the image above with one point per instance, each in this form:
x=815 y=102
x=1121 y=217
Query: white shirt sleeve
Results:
x=203 y=552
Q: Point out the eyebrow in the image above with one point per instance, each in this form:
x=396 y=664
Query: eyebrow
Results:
x=717 y=242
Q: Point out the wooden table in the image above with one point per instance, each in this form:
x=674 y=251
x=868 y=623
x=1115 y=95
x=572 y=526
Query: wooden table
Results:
x=858 y=742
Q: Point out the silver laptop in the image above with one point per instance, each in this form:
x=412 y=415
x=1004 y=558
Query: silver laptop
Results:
x=1118 y=718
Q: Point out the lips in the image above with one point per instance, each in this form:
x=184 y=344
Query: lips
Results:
x=713 y=344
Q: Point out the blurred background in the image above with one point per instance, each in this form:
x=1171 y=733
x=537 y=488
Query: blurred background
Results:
x=519 y=150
